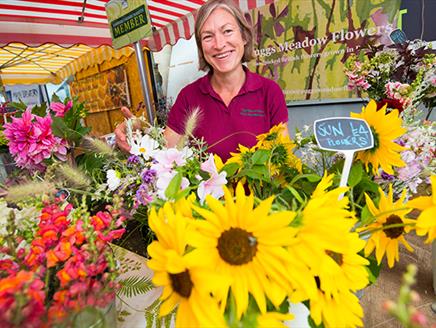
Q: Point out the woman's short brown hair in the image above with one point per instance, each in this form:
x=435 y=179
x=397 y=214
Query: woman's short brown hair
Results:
x=245 y=27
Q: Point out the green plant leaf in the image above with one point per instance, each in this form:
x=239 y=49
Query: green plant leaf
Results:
x=295 y=193
x=174 y=186
x=135 y=285
x=373 y=269
x=356 y=173
x=230 y=168
x=260 y=156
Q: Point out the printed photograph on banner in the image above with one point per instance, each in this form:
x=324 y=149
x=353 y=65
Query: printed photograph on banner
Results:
x=303 y=45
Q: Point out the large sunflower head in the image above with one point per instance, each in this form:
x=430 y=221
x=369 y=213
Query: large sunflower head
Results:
x=385 y=128
x=246 y=243
x=389 y=227
x=185 y=286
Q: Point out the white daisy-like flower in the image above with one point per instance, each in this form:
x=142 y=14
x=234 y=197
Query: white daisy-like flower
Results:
x=113 y=179
x=145 y=147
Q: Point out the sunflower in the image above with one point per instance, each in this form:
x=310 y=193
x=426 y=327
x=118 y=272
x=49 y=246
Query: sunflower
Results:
x=344 y=271
x=385 y=128
x=281 y=145
x=185 y=286
x=247 y=244
x=322 y=224
x=242 y=156
x=340 y=310
x=386 y=240
x=426 y=222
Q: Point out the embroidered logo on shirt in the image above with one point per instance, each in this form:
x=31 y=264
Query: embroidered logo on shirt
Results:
x=252 y=112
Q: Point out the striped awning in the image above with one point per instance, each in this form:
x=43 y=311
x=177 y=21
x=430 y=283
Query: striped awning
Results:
x=78 y=26
x=50 y=63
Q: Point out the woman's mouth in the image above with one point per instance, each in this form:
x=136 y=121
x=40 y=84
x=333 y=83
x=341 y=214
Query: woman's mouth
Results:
x=223 y=55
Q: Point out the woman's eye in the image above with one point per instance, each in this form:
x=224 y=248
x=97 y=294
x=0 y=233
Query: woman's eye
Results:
x=228 y=31
x=207 y=37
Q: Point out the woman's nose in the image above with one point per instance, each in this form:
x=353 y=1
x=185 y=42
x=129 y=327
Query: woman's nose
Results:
x=219 y=41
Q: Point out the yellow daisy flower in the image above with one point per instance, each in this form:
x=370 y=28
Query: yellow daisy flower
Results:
x=386 y=128
x=340 y=310
x=426 y=222
x=185 y=286
x=386 y=240
x=322 y=225
x=344 y=271
x=273 y=319
x=248 y=245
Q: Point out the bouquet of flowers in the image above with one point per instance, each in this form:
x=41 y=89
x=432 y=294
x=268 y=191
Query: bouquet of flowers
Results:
x=55 y=263
x=401 y=75
x=39 y=135
x=284 y=234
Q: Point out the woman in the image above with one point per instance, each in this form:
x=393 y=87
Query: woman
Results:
x=235 y=105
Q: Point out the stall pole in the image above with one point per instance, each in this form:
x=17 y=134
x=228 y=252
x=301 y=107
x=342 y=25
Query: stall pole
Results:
x=145 y=85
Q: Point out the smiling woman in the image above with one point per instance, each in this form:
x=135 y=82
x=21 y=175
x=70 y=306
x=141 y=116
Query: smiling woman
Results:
x=234 y=104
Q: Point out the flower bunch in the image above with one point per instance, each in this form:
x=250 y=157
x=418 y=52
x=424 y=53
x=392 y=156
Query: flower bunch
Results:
x=239 y=261
x=153 y=173
x=419 y=158
x=31 y=141
x=67 y=266
x=38 y=135
x=400 y=75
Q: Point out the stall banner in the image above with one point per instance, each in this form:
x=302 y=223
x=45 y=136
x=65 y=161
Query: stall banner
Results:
x=29 y=94
x=129 y=21
x=304 y=44
x=103 y=91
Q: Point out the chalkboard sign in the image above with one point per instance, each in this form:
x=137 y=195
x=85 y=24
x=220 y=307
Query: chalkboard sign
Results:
x=343 y=134
x=398 y=36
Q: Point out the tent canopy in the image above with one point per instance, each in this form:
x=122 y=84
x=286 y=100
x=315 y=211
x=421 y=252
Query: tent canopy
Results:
x=75 y=27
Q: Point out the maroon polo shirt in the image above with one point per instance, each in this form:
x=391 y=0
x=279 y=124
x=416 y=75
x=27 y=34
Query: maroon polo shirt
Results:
x=257 y=107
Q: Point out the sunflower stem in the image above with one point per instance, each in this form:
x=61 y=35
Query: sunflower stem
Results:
x=386 y=227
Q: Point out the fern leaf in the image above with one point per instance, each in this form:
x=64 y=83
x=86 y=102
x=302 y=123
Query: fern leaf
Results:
x=135 y=285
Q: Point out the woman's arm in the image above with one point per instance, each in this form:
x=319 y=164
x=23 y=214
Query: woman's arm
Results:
x=171 y=137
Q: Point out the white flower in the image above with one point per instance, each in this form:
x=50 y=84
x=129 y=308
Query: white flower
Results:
x=169 y=158
x=145 y=147
x=113 y=179
x=214 y=185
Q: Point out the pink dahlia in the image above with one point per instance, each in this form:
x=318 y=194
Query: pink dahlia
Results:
x=31 y=141
x=60 y=109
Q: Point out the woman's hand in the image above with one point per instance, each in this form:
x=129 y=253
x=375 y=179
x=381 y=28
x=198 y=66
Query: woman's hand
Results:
x=120 y=131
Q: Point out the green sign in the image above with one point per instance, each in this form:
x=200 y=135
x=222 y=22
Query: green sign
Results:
x=129 y=21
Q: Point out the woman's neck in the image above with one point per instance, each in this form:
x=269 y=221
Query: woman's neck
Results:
x=230 y=82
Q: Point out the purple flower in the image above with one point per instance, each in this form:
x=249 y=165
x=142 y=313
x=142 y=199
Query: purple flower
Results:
x=148 y=176
x=143 y=196
x=60 y=109
x=387 y=176
x=133 y=160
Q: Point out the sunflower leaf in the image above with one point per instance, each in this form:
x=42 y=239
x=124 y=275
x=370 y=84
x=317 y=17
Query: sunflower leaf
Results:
x=356 y=173
x=260 y=156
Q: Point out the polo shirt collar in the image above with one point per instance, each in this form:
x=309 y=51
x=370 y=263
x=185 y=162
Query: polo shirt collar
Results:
x=252 y=82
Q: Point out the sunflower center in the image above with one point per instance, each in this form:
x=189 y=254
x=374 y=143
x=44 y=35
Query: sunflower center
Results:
x=376 y=140
x=181 y=283
x=237 y=246
x=337 y=257
x=393 y=232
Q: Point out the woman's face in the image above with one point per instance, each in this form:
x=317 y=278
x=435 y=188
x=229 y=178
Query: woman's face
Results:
x=222 y=43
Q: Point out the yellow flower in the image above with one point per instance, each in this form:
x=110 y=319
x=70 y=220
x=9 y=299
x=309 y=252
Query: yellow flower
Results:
x=281 y=145
x=239 y=157
x=322 y=225
x=386 y=240
x=426 y=222
x=341 y=310
x=344 y=271
x=185 y=286
x=248 y=245
x=385 y=128
x=273 y=319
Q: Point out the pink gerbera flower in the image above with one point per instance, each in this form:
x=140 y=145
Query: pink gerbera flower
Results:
x=31 y=141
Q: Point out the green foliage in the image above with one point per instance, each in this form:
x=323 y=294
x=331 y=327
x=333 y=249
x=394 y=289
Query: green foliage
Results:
x=135 y=285
x=373 y=268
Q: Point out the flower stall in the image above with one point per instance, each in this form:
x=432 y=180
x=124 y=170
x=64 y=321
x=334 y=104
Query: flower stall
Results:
x=236 y=243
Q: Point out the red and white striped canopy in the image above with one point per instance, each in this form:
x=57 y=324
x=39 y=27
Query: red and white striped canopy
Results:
x=35 y=22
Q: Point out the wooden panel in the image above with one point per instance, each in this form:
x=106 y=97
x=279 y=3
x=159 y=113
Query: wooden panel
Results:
x=115 y=118
x=99 y=122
